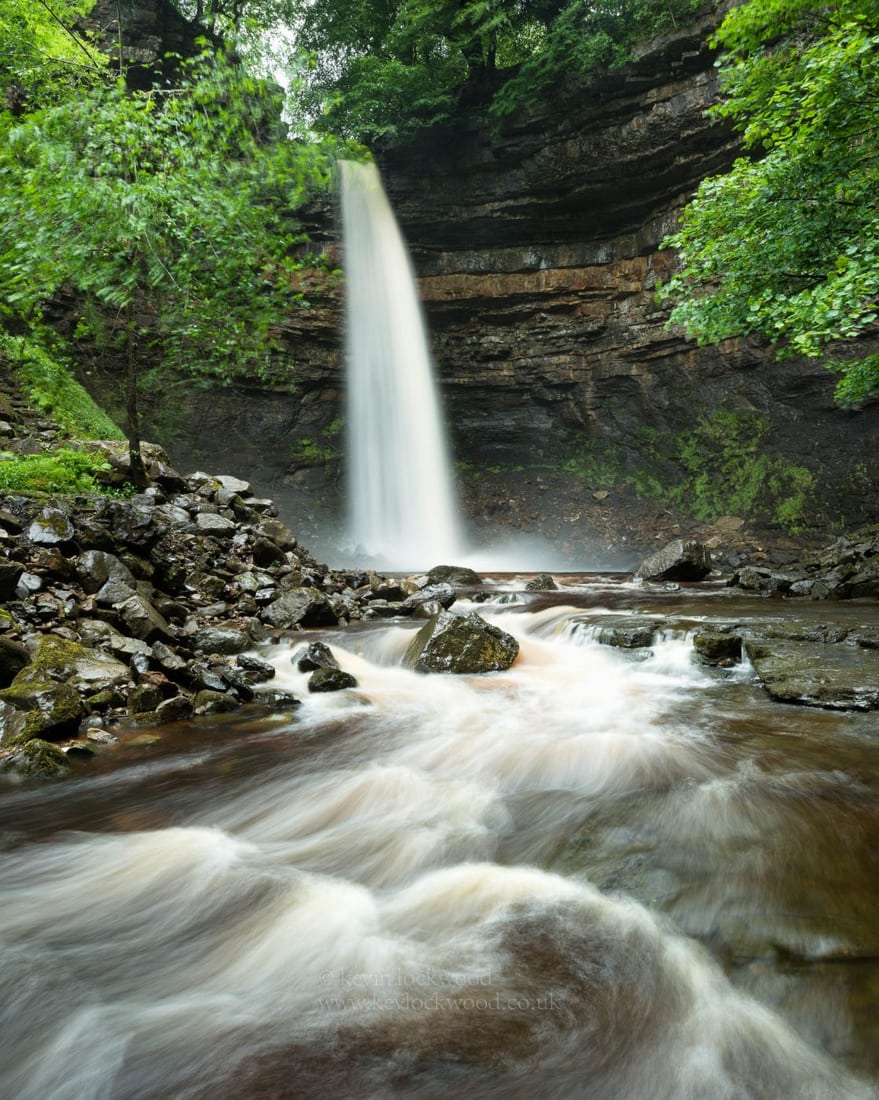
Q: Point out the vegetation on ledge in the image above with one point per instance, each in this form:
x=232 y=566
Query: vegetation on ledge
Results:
x=786 y=244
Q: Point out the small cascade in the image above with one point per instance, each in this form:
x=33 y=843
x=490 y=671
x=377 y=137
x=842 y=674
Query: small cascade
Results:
x=402 y=508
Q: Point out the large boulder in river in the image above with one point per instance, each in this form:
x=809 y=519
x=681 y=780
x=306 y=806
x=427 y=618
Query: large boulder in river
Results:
x=679 y=560
x=460 y=644
x=458 y=575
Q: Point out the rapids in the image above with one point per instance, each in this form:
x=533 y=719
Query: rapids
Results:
x=596 y=875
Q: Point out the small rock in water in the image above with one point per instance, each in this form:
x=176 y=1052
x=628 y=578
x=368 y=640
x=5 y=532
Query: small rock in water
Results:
x=330 y=679
x=316 y=655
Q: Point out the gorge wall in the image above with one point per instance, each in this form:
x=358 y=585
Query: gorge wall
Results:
x=537 y=251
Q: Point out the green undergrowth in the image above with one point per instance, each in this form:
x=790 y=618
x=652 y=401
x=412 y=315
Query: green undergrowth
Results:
x=720 y=466
x=57 y=472
x=50 y=388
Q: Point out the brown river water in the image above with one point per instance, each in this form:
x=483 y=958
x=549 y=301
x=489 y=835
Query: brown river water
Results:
x=602 y=874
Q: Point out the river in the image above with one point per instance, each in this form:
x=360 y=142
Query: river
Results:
x=603 y=874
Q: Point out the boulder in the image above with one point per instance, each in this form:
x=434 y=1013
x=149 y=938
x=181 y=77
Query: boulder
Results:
x=330 y=679
x=36 y=759
x=678 y=560
x=315 y=656
x=837 y=677
x=442 y=594
x=221 y=639
x=460 y=644
x=51 y=527
x=142 y=619
x=211 y=523
x=94 y=568
x=63 y=661
x=258 y=670
x=53 y=710
x=458 y=575
x=543 y=582
x=716 y=648
x=13 y=658
x=10 y=571
x=299 y=607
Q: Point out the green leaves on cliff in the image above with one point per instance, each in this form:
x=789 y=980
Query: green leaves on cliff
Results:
x=171 y=210
x=43 y=54
x=786 y=245
x=167 y=216
x=382 y=67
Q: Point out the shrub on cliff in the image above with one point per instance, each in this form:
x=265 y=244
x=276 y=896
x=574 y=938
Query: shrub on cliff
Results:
x=786 y=244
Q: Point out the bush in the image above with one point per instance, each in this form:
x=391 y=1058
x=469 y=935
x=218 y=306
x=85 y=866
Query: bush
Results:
x=61 y=471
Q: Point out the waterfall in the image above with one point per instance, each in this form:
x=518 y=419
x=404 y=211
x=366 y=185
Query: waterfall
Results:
x=402 y=508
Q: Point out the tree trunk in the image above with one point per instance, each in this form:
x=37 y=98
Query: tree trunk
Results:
x=138 y=474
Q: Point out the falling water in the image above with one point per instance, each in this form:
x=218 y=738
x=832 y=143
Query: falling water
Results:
x=401 y=501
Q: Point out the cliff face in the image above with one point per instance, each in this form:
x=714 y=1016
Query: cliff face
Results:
x=538 y=251
x=537 y=254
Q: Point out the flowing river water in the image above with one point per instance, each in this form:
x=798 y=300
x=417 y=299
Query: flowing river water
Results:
x=601 y=874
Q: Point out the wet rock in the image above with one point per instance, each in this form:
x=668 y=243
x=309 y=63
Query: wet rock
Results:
x=716 y=648
x=316 y=655
x=458 y=575
x=144 y=698
x=221 y=639
x=51 y=527
x=210 y=523
x=259 y=670
x=35 y=760
x=838 y=677
x=53 y=710
x=276 y=532
x=627 y=635
x=13 y=658
x=176 y=709
x=442 y=594
x=278 y=699
x=143 y=620
x=460 y=644
x=330 y=679
x=10 y=571
x=94 y=568
x=213 y=702
x=84 y=669
x=12 y=722
x=28 y=585
x=543 y=582
x=678 y=560
x=299 y=607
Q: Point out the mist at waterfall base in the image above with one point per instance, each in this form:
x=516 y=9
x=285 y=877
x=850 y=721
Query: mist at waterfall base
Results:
x=402 y=506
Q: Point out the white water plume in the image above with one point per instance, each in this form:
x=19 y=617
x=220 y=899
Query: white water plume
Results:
x=402 y=506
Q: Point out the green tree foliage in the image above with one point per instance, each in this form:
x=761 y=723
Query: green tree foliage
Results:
x=382 y=67
x=43 y=54
x=786 y=244
x=169 y=211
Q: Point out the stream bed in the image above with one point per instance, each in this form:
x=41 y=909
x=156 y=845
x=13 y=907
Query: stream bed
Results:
x=605 y=873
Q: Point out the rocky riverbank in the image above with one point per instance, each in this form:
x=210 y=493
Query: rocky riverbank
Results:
x=147 y=609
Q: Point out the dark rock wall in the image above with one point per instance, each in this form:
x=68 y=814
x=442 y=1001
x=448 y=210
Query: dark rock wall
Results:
x=538 y=249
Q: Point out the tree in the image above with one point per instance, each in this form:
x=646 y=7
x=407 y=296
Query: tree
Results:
x=786 y=244
x=42 y=54
x=384 y=67
x=169 y=211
